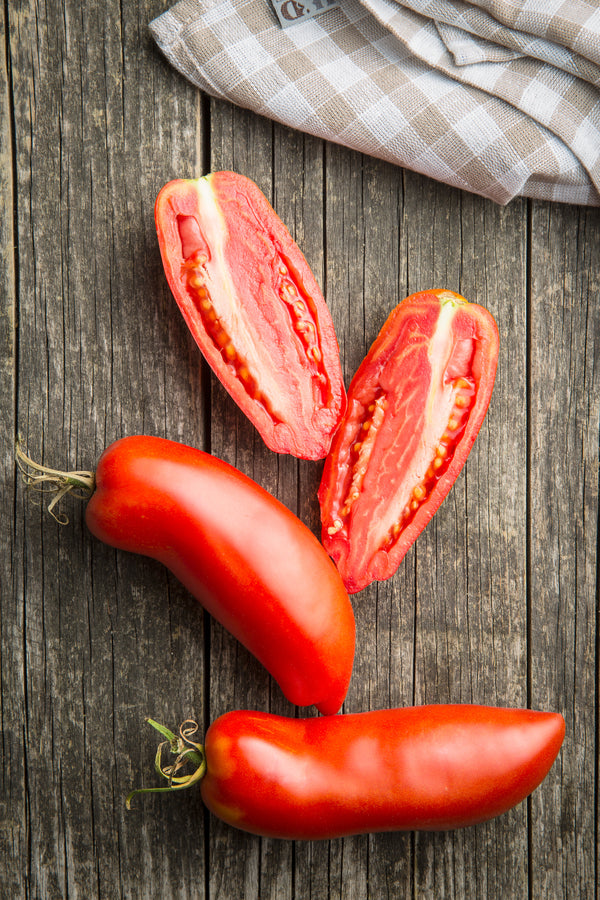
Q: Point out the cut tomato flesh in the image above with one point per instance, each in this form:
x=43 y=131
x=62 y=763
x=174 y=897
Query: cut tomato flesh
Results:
x=254 y=309
x=414 y=409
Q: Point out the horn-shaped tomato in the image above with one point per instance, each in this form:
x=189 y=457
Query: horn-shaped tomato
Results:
x=415 y=407
x=254 y=308
x=252 y=564
x=421 y=768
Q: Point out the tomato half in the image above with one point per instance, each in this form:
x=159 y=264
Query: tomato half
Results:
x=253 y=565
x=420 y=768
x=254 y=308
x=415 y=407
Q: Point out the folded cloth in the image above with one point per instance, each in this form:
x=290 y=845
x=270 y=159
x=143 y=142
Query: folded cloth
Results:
x=495 y=97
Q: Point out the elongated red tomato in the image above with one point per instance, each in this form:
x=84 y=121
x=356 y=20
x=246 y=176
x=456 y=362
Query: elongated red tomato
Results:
x=254 y=309
x=420 y=768
x=415 y=407
x=254 y=566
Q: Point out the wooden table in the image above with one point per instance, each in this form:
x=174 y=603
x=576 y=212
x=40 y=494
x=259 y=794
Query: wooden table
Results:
x=496 y=602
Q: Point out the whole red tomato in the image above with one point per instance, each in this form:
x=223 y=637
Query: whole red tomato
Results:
x=421 y=768
x=254 y=566
x=254 y=308
x=415 y=407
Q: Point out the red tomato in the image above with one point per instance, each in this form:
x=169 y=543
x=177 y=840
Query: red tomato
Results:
x=415 y=407
x=422 y=768
x=254 y=309
x=254 y=566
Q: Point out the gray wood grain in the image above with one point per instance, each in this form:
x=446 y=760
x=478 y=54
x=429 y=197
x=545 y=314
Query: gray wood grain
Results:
x=13 y=809
x=495 y=603
x=563 y=536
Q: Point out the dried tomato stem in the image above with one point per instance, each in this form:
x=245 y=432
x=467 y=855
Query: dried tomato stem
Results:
x=54 y=481
x=185 y=750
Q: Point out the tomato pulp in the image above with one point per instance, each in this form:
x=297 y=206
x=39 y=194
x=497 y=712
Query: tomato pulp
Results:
x=254 y=308
x=426 y=768
x=252 y=564
x=415 y=407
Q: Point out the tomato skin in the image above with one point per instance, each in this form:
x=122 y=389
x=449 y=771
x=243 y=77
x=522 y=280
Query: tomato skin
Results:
x=252 y=564
x=421 y=768
x=415 y=407
x=254 y=308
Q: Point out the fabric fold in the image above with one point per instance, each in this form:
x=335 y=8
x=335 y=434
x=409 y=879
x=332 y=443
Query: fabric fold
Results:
x=432 y=88
x=575 y=47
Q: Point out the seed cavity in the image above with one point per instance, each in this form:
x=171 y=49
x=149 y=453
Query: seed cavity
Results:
x=442 y=455
x=361 y=452
x=197 y=277
x=337 y=526
x=304 y=325
x=196 y=280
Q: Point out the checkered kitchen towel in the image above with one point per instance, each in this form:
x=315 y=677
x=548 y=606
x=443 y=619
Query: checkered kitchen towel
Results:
x=497 y=97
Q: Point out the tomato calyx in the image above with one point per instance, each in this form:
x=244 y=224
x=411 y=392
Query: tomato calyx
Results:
x=79 y=483
x=186 y=751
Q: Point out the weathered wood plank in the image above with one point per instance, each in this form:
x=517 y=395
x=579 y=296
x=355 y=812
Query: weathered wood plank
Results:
x=465 y=607
x=108 y=638
x=491 y=659
x=563 y=537
x=13 y=810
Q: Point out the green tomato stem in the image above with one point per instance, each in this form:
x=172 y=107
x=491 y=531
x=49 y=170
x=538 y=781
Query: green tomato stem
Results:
x=186 y=751
x=54 y=481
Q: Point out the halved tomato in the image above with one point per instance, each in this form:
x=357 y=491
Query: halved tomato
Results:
x=254 y=308
x=415 y=407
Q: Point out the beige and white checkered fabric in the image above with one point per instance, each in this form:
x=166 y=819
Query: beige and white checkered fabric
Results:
x=499 y=98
